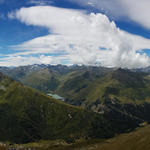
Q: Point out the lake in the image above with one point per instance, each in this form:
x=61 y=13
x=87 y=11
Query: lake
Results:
x=56 y=96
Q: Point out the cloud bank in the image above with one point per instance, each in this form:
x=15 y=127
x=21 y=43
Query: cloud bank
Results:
x=40 y=2
x=135 y=10
x=77 y=37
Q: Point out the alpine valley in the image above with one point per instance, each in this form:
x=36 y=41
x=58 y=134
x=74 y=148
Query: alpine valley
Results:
x=98 y=104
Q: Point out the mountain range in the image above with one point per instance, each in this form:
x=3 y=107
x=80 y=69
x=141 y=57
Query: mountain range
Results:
x=28 y=115
x=98 y=102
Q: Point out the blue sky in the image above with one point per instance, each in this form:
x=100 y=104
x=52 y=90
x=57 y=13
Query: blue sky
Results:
x=26 y=38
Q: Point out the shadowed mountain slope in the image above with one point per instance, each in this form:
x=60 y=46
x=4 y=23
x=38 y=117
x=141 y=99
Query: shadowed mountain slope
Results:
x=27 y=115
x=121 y=96
x=136 y=140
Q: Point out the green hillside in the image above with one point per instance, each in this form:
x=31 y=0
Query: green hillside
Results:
x=109 y=102
x=121 y=97
x=49 y=78
x=27 y=115
x=82 y=85
x=121 y=84
x=136 y=140
x=119 y=94
x=44 y=80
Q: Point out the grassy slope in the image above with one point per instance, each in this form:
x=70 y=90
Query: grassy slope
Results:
x=102 y=91
x=111 y=93
x=28 y=115
x=136 y=140
x=122 y=96
x=83 y=85
x=139 y=140
x=127 y=87
x=78 y=86
x=43 y=80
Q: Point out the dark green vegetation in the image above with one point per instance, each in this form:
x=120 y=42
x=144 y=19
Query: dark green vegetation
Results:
x=136 y=140
x=50 y=78
x=118 y=98
x=119 y=94
x=27 y=115
x=82 y=85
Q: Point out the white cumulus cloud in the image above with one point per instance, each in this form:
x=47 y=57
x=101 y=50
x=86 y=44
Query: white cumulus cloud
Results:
x=81 y=38
x=136 y=10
